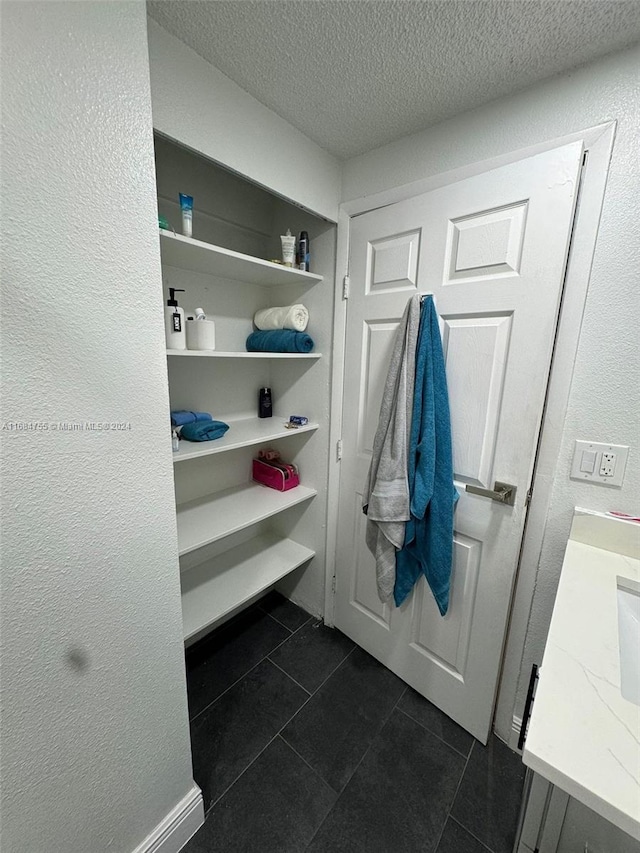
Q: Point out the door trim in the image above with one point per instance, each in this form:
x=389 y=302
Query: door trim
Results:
x=598 y=142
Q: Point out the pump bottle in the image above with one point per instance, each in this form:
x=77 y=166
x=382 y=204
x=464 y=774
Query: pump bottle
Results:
x=174 y=327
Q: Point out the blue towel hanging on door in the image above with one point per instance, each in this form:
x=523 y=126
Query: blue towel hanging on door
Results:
x=428 y=543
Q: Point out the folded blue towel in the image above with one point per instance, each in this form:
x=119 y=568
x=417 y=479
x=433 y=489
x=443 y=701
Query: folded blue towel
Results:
x=181 y=417
x=204 y=430
x=280 y=340
x=428 y=542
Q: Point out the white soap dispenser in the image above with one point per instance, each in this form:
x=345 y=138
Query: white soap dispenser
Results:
x=174 y=329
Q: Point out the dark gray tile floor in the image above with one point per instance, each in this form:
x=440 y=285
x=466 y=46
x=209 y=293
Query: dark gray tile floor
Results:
x=303 y=742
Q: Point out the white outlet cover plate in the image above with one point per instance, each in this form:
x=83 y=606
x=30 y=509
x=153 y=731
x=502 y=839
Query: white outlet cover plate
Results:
x=621 y=452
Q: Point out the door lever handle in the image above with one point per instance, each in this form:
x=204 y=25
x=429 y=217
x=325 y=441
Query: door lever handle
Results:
x=504 y=493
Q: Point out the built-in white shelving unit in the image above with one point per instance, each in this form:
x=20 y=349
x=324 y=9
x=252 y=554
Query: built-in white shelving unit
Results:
x=235 y=576
x=212 y=590
x=243 y=432
x=209 y=519
x=189 y=254
x=218 y=354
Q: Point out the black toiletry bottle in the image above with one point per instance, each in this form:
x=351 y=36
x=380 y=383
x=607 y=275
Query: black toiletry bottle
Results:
x=264 y=403
x=303 y=251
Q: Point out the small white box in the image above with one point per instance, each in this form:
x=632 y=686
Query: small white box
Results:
x=201 y=334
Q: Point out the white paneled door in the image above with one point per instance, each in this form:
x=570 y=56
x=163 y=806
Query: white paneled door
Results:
x=492 y=249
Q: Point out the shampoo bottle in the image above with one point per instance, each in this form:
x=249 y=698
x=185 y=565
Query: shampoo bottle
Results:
x=174 y=328
x=288 y=248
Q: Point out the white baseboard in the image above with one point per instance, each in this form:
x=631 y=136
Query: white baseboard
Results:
x=174 y=830
x=516 y=725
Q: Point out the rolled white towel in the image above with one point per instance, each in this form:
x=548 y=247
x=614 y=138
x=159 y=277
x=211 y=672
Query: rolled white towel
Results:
x=293 y=317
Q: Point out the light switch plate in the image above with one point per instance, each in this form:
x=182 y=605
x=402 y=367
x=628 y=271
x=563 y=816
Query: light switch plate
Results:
x=609 y=458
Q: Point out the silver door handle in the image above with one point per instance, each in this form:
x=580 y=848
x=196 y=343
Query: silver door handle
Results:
x=504 y=493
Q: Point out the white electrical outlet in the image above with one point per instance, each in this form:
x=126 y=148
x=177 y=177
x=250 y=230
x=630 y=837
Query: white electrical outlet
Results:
x=607 y=464
x=599 y=463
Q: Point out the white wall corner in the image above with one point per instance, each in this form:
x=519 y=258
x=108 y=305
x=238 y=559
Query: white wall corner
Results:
x=177 y=827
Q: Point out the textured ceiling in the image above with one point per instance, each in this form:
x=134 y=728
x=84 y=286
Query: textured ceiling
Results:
x=355 y=74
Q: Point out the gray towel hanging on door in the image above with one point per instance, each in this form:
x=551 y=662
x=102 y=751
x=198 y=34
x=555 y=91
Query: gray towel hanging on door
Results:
x=386 y=498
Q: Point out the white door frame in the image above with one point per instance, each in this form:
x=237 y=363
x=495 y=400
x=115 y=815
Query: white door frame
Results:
x=598 y=143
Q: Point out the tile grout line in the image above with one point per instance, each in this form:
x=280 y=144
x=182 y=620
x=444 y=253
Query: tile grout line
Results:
x=304 y=760
x=468 y=831
x=453 y=799
x=346 y=785
x=284 y=671
x=293 y=631
x=366 y=752
x=244 y=674
x=311 y=695
x=282 y=625
x=253 y=761
x=325 y=818
x=240 y=775
x=324 y=681
x=431 y=732
x=257 y=756
x=226 y=690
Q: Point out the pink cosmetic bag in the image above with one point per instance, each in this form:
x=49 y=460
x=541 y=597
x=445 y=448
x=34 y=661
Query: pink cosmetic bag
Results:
x=281 y=477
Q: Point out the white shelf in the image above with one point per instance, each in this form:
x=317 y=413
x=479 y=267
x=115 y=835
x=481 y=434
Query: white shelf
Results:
x=190 y=254
x=212 y=518
x=212 y=590
x=218 y=354
x=242 y=432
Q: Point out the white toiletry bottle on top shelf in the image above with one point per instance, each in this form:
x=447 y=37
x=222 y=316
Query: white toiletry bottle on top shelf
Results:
x=174 y=326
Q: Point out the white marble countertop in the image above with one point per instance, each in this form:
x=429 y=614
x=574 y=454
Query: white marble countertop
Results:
x=583 y=735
